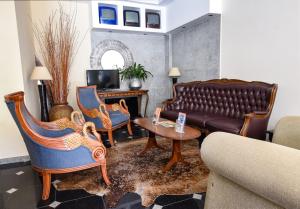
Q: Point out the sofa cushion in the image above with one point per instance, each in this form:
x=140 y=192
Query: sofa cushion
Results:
x=225 y=124
x=170 y=114
x=193 y=118
x=199 y=118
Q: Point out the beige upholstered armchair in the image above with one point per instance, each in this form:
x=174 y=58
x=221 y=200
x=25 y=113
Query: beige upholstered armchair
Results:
x=248 y=173
x=287 y=132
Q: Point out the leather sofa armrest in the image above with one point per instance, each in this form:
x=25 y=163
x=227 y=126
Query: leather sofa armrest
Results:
x=257 y=114
x=269 y=170
x=166 y=103
x=255 y=124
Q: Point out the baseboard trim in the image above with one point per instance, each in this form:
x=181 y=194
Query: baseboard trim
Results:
x=14 y=161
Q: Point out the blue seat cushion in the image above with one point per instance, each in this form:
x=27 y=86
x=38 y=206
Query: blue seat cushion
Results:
x=117 y=117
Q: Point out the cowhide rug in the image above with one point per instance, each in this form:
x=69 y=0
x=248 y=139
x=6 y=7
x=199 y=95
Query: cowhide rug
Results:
x=129 y=172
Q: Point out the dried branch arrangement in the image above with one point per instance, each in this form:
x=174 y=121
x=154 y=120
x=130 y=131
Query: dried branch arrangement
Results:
x=58 y=42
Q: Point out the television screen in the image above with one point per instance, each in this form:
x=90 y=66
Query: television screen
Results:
x=131 y=18
x=152 y=20
x=103 y=79
x=107 y=15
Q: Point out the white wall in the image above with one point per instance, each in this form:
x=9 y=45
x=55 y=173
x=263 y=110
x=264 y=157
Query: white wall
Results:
x=260 y=40
x=17 y=61
x=27 y=52
x=181 y=12
x=11 y=144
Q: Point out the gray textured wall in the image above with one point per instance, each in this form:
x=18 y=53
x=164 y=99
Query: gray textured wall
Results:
x=150 y=51
x=196 y=49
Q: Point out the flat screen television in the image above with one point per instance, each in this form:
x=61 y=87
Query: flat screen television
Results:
x=107 y=15
x=131 y=18
x=152 y=20
x=103 y=79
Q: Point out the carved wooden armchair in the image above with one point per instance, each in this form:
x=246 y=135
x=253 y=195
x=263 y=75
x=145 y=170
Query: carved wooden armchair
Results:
x=106 y=117
x=59 y=146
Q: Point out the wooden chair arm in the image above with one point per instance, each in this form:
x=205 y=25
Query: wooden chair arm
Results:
x=50 y=125
x=64 y=123
x=90 y=127
x=70 y=141
x=77 y=118
x=100 y=113
x=73 y=141
x=112 y=107
x=104 y=116
x=92 y=113
x=67 y=142
x=53 y=125
x=122 y=107
x=96 y=146
x=64 y=143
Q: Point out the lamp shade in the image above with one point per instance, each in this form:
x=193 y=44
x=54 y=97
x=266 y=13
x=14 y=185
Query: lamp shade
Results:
x=174 y=72
x=40 y=73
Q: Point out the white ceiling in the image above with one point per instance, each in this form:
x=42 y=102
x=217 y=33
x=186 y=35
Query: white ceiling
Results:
x=156 y=2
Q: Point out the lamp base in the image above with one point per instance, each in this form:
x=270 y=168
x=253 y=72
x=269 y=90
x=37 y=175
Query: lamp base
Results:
x=43 y=102
x=174 y=80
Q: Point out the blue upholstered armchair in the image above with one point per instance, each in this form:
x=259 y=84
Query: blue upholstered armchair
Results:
x=57 y=147
x=105 y=117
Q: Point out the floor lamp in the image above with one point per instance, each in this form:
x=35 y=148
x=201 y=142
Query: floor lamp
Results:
x=41 y=74
x=174 y=73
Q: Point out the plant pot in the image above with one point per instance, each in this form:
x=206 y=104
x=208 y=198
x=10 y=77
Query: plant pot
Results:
x=135 y=84
x=60 y=111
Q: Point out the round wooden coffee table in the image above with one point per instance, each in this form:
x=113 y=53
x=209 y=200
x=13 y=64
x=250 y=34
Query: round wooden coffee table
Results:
x=169 y=133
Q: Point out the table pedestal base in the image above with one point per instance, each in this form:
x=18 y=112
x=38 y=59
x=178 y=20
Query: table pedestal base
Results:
x=176 y=152
x=176 y=156
x=151 y=143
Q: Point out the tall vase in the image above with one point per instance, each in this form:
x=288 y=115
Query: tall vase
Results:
x=59 y=111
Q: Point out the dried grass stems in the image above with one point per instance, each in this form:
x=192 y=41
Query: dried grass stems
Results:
x=58 y=44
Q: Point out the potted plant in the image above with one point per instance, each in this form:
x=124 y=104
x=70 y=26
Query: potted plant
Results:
x=135 y=73
x=57 y=39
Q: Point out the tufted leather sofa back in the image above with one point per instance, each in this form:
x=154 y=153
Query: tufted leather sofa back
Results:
x=223 y=97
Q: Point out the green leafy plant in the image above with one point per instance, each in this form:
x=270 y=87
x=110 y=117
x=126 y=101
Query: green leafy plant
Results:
x=135 y=71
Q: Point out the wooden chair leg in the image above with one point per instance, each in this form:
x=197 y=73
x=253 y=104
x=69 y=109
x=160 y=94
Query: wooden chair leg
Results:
x=46 y=185
x=129 y=128
x=104 y=173
x=110 y=137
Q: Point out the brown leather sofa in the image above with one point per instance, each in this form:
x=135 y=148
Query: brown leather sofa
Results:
x=228 y=105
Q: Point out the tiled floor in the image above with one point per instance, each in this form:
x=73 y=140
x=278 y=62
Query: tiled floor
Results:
x=20 y=188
